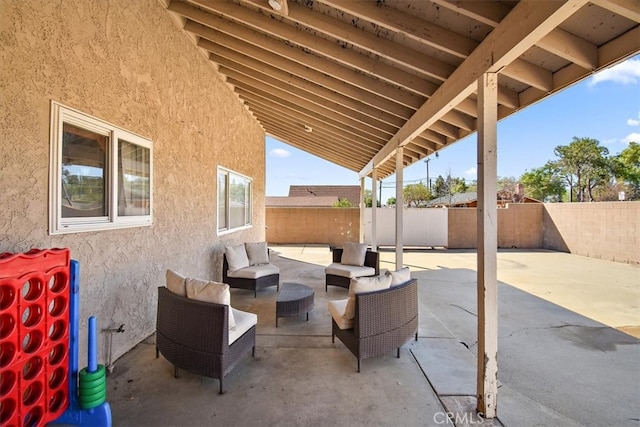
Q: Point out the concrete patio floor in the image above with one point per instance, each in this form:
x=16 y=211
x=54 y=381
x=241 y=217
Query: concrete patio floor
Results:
x=566 y=357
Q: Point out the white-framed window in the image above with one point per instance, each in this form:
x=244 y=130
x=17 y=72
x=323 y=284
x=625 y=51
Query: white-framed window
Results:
x=100 y=175
x=234 y=201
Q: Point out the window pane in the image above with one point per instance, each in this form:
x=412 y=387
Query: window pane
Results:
x=134 y=169
x=222 y=201
x=84 y=165
x=237 y=200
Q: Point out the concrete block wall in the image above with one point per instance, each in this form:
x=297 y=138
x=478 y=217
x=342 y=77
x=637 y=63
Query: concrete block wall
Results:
x=519 y=226
x=329 y=226
x=607 y=230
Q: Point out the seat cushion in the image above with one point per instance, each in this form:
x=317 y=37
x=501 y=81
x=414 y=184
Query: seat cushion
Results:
x=354 y=253
x=214 y=292
x=363 y=285
x=176 y=283
x=349 y=270
x=336 y=308
x=236 y=257
x=257 y=253
x=254 y=271
x=244 y=322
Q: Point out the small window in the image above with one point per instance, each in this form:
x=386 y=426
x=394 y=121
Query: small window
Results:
x=100 y=174
x=234 y=201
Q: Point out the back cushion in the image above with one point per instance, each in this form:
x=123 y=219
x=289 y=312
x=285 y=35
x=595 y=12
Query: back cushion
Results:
x=400 y=276
x=176 y=283
x=236 y=257
x=354 y=254
x=257 y=253
x=362 y=285
x=217 y=293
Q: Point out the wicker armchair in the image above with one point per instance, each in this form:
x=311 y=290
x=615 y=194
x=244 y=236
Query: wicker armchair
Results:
x=372 y=259
x=384 y=320
x=194 y=335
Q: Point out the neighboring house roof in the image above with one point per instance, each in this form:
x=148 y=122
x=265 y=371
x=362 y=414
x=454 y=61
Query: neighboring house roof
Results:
x=470 y=198
x=301 y=201
x=349 y=192
x=454 y=199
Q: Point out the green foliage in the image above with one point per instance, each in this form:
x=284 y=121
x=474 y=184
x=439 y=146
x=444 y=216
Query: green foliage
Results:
x=368 y=199
x=626 y=168
x=343 y=203
x=417 y=194
x=391 y=201
x=583 y=165
x=450 y=185
x=543 y=184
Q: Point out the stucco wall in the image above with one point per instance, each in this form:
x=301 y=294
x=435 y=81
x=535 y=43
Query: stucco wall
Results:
x=519 y=226
x=608 y=230
x=128 y=63
x=328 y=226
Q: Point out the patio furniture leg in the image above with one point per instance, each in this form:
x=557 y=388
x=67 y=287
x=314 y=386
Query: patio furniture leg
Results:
x=253 y=351
x=416 y=336
x=307 y=317
x=221 y=387
x=358 y=365
x=157 y=352
x=398 y=353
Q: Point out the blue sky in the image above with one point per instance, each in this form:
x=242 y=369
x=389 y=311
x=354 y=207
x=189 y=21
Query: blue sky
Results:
x=605 y=107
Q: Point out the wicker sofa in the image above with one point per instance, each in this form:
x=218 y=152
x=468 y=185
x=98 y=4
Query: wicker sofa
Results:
x=338 y=274
x=195 y=335
x=266 y=277
x=384 y=320
x=247 y=266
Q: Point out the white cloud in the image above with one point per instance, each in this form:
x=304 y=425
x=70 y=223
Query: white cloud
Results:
x=627 y=72
x=634 y=122
x=632 y=137
x=472 y=172
x=279 y=152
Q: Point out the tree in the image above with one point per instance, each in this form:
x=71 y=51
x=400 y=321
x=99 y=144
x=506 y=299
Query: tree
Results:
x=440 y=188
x=583 y=165
x=626 y=168
x=391 y=201
x=368 y=199
x=457 y=185
x=543 y=183
x=416 y=194
x=343 y=203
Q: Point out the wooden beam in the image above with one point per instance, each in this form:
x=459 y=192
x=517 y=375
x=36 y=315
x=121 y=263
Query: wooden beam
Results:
x=487 y=238
x=524 y=26
x=630 y=9
x=399 y=209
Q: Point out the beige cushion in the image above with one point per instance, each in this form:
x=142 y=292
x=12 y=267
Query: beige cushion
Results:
x=363 y=285
x=257 y=253
x=354 y=253
x=336 y=308
x=236 y=257
x=176 y=283
x=244 y=322
x=399 y=277
x=217 y=293
x=254 y=271
x=349 y=270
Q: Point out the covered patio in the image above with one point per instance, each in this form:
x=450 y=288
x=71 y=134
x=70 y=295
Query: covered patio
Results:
x=560 y=363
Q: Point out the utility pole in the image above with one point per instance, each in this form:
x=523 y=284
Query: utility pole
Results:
x=426 y=162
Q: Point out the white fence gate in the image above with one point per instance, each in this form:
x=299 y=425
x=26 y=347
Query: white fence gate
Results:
x=422 y=227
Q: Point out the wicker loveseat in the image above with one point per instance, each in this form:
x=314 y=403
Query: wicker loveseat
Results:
x=254 y=273
x=384 y=320
x=195 y=335
x=338 y=274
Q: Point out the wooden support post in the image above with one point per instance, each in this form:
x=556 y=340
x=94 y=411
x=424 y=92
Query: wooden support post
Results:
x=487 y=216
x=374 y=209
x=399 y=209
x=363 y=206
